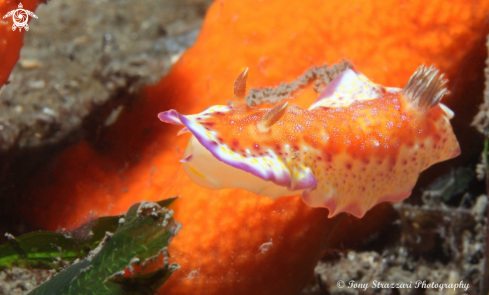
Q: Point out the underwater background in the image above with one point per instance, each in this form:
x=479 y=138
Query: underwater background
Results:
x=80 y=139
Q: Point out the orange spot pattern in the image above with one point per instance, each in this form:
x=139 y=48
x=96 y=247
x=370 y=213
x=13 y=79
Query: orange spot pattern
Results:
x=375 y=128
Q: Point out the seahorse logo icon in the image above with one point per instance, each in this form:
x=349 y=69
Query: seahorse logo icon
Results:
x=20 y=17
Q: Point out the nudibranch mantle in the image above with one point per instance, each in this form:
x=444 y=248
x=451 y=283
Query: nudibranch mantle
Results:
x=347 y=88
x=358 y=145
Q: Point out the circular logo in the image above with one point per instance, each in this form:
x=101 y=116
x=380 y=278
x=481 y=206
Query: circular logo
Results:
x=340 y=284
x=20 y=18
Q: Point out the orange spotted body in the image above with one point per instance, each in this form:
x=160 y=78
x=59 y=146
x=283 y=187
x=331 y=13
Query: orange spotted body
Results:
x=348 y=152
x=364 y=130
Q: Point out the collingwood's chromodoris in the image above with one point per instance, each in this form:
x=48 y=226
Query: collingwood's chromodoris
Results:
x=357 y=145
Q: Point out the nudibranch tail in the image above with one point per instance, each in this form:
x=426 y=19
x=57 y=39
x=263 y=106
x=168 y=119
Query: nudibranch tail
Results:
x=359 y=144
x=425 y=88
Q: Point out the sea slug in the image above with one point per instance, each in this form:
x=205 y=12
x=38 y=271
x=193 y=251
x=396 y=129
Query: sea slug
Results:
x=357 y=145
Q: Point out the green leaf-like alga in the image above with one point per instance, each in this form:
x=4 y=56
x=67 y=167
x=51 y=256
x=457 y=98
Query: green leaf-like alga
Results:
x=114 y=266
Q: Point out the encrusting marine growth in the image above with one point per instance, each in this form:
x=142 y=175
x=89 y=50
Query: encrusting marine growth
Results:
x=357 y=145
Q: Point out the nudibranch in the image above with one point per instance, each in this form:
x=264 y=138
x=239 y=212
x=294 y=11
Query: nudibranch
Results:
x=357 y=145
